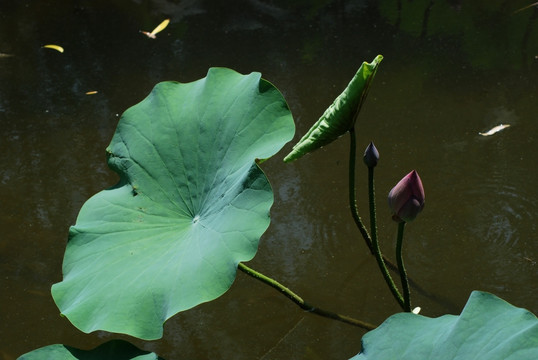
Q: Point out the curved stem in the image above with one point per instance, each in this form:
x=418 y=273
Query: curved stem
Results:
x=352 y=191
x=401 y=267
x=375 y=243
x=300 y=302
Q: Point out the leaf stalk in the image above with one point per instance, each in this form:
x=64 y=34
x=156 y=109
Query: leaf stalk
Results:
x=353 y=192
x=300 y=302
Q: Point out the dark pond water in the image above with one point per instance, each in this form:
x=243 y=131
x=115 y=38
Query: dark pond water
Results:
x=451 y=70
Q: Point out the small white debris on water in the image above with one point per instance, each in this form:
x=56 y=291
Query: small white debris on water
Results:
x=494 y=130
x=416 y=310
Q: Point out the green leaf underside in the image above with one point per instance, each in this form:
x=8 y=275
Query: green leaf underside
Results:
x=488 y=328
x=190 y=205
x=111 y=350
x=340 y=117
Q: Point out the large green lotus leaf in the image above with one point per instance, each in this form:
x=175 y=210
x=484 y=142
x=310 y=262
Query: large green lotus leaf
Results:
x=340 y=117
x=112 y=350
x=191 y=204
x=488 y=328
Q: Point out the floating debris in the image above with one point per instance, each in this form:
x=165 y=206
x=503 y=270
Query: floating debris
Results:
x=4 y=55
x=54 y=47
x=91 y=92
x=494 y=130
x=158 y=29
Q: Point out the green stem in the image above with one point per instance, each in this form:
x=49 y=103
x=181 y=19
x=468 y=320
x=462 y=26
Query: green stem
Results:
x=371 y=198
x=352 y=191
x=375 y=243
x=401 y=267
x=300 y=302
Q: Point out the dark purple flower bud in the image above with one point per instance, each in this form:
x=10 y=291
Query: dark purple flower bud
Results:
x=371 y=156
x=406 y=199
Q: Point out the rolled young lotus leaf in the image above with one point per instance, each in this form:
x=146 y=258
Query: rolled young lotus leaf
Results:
x=340 y=117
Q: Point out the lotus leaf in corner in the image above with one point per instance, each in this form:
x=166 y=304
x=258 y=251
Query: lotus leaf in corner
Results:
x=190 y=205
x=488 y=328
x=341 y=116
x=112 y=350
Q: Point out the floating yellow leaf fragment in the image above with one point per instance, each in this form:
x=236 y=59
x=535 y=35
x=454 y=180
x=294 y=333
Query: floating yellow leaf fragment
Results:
x=54 y=47
x=494 y=130
x=158 y=29
x=161 y=27
x=91 y=92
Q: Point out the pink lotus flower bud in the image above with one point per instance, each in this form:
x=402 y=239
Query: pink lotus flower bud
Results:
x=406 y=199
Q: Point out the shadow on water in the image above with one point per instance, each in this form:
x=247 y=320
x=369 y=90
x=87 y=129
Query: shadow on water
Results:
x=451 y=69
